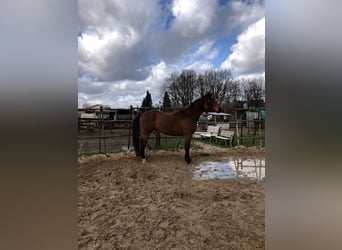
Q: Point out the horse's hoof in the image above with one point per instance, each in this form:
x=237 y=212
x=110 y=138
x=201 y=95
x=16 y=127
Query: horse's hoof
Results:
x=143 y=160
x=188 y=161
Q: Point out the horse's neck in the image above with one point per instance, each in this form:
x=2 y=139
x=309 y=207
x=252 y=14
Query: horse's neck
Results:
x=196 y=109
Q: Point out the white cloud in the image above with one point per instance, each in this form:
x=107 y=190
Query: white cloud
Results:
x=240 y=14
x=193 y=21
x=203 y=20
x=193 y=16
x=125 y=49
x=111 y=55
x=251 y=76
x=206 y=51
x=203 y=49
x=123 y=93
x=114 y=34
x=201 y=66
x=212 y=55
x=248 y=54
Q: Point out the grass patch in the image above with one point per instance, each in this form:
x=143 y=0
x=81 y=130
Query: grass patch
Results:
x=170 y=143
x=245 y=141
x=97 y=153
x=250 y=141
x=86 y=155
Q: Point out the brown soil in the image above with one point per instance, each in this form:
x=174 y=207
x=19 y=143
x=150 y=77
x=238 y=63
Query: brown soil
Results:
x=124 y=204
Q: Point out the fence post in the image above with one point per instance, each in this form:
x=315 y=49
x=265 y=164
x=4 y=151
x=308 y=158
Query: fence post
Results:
x=241 y=132
x=130 y=125
x=100 y=131
x=256 y=126
x=260 y=140
x=103 y=132
x=237 y=133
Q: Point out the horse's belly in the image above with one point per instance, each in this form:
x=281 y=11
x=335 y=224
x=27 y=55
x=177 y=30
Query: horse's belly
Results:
x=171 y=130
x=174 y=125
x=175 y=129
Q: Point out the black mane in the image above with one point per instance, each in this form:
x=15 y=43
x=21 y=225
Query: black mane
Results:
x=194 y=103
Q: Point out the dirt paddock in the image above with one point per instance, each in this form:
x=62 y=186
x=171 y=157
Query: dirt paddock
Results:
x=124 y=204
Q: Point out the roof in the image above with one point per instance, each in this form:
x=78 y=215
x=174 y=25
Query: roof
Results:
x=98 y=106
x=215 y=113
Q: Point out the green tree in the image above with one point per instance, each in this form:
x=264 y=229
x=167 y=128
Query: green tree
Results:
x=147 y=101
x=166 y=102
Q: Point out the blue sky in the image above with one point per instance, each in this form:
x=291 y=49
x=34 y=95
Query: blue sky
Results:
x=129 y=47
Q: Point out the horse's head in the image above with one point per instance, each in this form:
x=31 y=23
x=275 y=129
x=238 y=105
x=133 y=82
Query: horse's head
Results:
x=210 y=104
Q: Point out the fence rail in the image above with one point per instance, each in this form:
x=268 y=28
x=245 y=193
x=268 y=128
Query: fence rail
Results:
x=107 y=136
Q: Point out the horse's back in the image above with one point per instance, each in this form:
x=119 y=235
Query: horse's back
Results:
x=175 y=123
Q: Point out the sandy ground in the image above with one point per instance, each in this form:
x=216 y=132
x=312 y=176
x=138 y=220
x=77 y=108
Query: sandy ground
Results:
x=124 y=204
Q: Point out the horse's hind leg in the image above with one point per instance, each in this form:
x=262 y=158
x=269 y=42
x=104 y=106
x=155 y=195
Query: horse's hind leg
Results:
x=187 y=143
x=143 y=143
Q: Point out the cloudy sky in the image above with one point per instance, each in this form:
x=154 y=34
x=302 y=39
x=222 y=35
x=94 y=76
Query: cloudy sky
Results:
x=128 y=47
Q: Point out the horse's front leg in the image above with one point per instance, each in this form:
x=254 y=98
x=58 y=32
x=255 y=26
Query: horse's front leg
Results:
x=187 y=143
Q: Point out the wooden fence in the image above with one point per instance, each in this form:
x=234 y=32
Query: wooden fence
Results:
x=108 y=136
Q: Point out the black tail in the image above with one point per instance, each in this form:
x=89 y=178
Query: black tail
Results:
x=136 y=132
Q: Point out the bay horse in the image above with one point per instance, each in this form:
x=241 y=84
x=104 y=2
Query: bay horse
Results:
x=179 y=123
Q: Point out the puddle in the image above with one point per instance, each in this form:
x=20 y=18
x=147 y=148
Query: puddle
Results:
x=250 y=169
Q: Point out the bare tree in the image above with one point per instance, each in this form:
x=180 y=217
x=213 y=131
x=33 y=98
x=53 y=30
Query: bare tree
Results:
x=233 y=94
x=216 y=82
x=181 y=88
x=234 y=90
x=171 y=86
x=254 y=92
x=184 y=87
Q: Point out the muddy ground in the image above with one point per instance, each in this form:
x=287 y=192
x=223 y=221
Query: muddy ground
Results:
x=124 y=204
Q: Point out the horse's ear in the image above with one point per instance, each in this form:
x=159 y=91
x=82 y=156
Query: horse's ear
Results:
x=209 y=94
